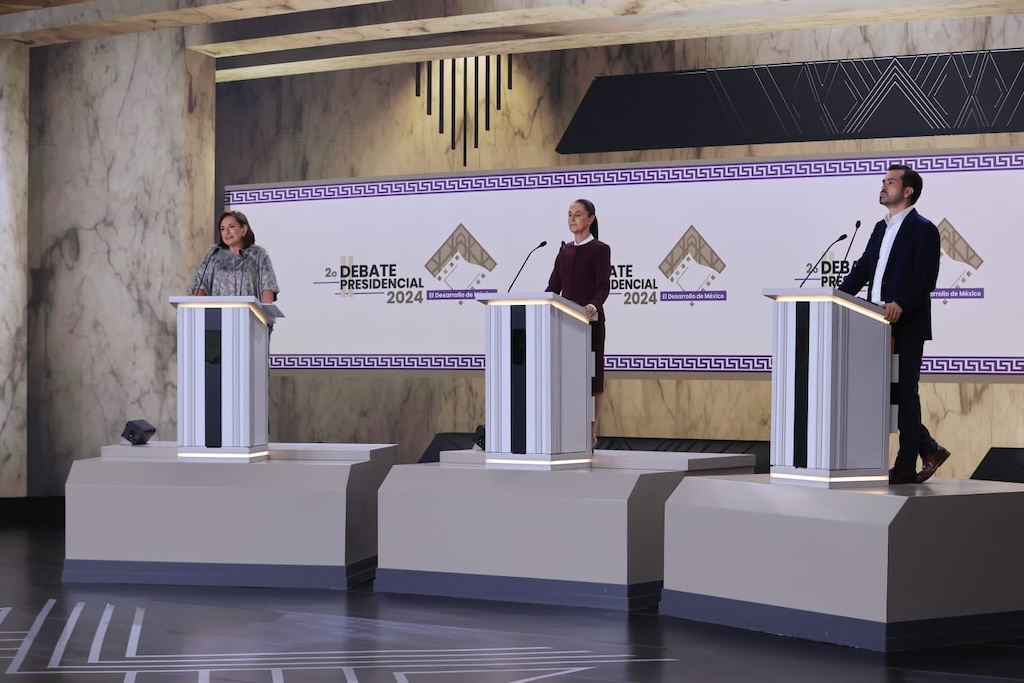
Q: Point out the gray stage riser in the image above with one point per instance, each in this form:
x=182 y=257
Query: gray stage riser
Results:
x=237 y=575
x=828 y=628
x=518 y=589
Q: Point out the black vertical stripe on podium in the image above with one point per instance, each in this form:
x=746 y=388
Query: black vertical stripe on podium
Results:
x=518 y=375
x=800 y=384
x=213 y=378
x=894 y=387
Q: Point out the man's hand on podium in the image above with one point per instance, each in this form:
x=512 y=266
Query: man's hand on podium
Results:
x=893 y=311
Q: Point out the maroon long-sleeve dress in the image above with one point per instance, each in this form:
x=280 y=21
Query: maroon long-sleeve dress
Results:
x=582 y=274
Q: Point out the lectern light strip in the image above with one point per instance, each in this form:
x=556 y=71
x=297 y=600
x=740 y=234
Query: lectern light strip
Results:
x=224 y=456
x=809 y=477
x=253 y=309
x=542 y=302
x=505 y=461
x=839 y=302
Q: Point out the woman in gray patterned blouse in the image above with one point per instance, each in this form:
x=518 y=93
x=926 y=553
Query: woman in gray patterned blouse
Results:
x=235 y=266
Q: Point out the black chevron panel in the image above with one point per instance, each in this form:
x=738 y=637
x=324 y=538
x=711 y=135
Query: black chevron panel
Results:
x=917 y=95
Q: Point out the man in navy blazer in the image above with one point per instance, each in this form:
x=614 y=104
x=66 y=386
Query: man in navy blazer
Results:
x=900 y=266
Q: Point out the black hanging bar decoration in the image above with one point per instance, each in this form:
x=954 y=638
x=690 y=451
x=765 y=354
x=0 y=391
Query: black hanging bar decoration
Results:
x=430 y=88
x=452 y=96
x=476 y=102
x=453 y=103
x=440 y=97
x=465 y=110
x=497 y=83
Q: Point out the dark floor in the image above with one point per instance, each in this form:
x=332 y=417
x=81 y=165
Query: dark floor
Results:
x=55 y=632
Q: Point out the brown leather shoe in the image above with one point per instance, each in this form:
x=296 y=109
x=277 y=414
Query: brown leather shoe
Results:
x=930 y=463
x=897 y=477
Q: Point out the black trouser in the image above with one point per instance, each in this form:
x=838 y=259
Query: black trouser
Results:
x=914 y=437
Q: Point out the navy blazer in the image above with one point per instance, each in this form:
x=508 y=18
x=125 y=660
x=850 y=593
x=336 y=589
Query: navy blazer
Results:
x=909 y=277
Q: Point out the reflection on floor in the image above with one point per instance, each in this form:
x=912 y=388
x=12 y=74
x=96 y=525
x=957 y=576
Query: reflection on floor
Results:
x=50 y=631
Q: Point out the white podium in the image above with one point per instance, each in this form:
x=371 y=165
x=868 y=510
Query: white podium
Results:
x=538 y=376
x=832 y=367
x=223 y=377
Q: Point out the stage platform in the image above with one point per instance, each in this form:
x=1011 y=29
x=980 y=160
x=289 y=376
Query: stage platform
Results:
x=884 y=569
x=305 y=518
x=585 y=537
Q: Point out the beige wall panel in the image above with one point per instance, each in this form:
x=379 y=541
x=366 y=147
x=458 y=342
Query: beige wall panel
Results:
x=353 y=407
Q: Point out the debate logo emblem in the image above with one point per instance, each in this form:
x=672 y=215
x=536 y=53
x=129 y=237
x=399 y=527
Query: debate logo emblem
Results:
x=693 y=266
x=959 y=265
x=462 y=264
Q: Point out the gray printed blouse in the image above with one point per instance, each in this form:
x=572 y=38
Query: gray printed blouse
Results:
x=226 y=274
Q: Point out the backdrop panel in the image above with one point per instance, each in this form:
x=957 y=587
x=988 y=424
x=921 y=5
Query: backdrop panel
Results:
x=382 y=273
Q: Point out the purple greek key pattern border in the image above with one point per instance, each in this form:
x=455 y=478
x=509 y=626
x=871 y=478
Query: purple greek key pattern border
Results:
x=689 y=363
x=767 y=170
x=376 y=362
x=975 y=365
x=980 y=365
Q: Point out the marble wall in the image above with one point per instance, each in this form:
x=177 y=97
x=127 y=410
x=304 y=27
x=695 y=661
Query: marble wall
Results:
x=368 y=123
x=14 y=97
x=121 y=147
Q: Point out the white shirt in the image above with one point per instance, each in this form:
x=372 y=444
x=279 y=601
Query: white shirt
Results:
x=892 y=228
x=590 y=238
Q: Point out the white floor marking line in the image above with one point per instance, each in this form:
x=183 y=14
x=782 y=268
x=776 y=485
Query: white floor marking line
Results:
x=65 y=636
x=101 y=633
x=30 y=637
x=133 y=638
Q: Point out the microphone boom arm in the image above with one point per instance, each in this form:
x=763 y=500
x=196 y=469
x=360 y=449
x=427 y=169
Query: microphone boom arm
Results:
x=837 y=241
x=856 y=227
x=542 y=244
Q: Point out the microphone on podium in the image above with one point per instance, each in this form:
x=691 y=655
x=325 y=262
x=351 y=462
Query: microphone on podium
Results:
x=856 y=227
x=542 y=244
x=206 y=264
x=811 y=270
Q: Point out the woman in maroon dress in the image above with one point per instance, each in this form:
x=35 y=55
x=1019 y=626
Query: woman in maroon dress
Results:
x=582 y=274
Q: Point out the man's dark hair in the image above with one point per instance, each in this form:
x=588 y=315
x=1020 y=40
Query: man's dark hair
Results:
x=911 y=179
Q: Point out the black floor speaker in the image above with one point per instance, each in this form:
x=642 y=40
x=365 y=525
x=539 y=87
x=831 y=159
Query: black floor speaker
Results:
x=1001 y=464
x=447 y=441
x=137 y=432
